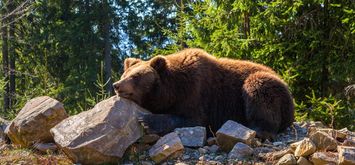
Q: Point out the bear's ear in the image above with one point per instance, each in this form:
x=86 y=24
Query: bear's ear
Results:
x=158 y=62
x=128 y=62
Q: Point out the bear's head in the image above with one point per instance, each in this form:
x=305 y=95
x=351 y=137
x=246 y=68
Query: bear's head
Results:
x=139 y=78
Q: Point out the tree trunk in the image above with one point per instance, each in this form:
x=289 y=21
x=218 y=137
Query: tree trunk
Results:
x=5 y=59
x=246 y=24
x=12 y=55
x=107 y=48
x=325 y=62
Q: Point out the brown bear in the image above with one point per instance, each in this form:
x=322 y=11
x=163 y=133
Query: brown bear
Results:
x=193 y=88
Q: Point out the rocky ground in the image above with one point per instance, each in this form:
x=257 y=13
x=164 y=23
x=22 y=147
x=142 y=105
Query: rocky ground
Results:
x=43 y=134
x=263 y=153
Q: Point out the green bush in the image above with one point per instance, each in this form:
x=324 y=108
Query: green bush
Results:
x=333 y=112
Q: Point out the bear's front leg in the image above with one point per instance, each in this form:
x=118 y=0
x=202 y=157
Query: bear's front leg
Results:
x=162 y=124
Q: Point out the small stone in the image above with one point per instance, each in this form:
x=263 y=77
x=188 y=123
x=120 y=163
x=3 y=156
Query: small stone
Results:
x=261 y=152
x=219 y=157
x=202 y=151
x=303 y=161
x=45 y=147
x=346 y=155
x=294 y=145
x=146 y=163
x=194 y=154
x=240 y=151
x=180 y=163
x=213 y=148
x=142 y=157
x=277 y=143
x=192 y=136
x=256 y=143
x=211 y=141
x=349 y=142
x=149 y=139
x=287 y=159
x=321 y=158
x=213 y=162
x=232 y=132
x=201 y=158
x=318 y=124
x=323 y=141
x=185 y=157
x=278 y=154
x=305 y=148
x=169 y=146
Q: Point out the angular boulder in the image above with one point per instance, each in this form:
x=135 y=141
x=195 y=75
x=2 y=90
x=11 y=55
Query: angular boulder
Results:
x=33 y=122
x=323 y=141
x=169 y=146
x=337 y=134
x=303 y=161
x=305 y=148
x=278 y=154
x=346 y=155
x=102 y=134
x=232 y=132
x=192 y=136
x=321 y=158
x=287 y=159
x=240 y=151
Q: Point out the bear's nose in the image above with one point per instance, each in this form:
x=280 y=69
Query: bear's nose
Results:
x=116 y=86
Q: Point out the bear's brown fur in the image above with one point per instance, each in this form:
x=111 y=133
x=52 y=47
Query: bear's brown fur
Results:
x=192 y=88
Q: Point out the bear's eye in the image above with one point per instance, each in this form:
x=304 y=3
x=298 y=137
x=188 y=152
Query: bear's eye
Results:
x=135 y=77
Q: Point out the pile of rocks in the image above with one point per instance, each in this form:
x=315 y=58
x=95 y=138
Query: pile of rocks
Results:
x=110 y=132
x=322 y=146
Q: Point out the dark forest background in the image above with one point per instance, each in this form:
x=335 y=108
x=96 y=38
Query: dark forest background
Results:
x=73 y=50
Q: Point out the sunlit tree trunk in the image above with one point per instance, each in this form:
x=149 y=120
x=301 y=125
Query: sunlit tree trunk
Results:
x=246 y=24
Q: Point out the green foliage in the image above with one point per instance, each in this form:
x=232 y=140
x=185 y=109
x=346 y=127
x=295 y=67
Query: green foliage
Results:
x=311 y=44
x=59 y=46
x=331 y=111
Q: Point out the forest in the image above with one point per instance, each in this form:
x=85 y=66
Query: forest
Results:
x=74 y=50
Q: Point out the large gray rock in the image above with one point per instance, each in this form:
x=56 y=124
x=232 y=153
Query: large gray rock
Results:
x=240 y=151
x=102 y=134
x=33 y=122
x=169 y=146
x=192 y=136
x=232 y=132
x=346 y=155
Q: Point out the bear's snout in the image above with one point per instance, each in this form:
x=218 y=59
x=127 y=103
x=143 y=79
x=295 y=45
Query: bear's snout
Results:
x=123 y=88
x=117 y=86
